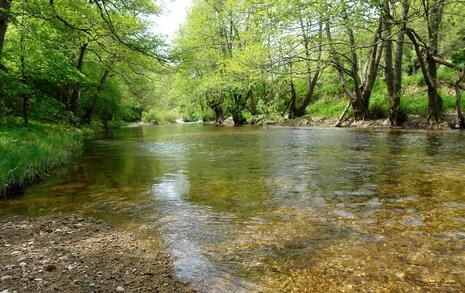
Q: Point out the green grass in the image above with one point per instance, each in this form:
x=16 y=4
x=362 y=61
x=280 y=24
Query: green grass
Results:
x=413 y=102
x=160 y=116
x=327 y=106
x=28 y=152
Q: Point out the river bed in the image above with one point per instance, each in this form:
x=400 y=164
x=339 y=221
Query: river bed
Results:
x=280 y=209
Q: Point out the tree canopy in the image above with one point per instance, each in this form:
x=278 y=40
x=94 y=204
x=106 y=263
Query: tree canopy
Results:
x=98 y=60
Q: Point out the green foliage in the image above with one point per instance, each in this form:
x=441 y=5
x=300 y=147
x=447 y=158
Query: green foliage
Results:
x=328 y=107
x=159 y=116
x=29 y=152
x=72 y=63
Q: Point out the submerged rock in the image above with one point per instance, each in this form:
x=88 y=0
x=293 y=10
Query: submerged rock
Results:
x=6 y=278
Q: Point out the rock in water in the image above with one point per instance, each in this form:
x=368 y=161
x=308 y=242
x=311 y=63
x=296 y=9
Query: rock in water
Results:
x=50 y=268
x=6 y=278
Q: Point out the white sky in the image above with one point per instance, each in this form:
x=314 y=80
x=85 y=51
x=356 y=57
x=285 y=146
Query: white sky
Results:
x=173 y=14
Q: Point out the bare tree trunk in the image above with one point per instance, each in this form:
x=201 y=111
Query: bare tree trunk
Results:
x=5 y=6
x=22 y=50
x=343 y=115
x=393 y=68
x=298 y=111
x=370 y=78
x=460 y=120
x=360 y=95
x=432 y=12
x=76 y=88
x=292 y=101
x=434 y=21
x=434 y=100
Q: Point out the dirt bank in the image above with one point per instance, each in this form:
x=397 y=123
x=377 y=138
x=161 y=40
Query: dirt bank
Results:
x=413 y=122
x=74 y=254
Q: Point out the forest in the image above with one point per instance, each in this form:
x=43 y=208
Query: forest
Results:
x=265 y=146
x=81 y=61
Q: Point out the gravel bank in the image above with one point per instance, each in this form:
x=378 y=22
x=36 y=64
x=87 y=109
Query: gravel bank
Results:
x=74 y=254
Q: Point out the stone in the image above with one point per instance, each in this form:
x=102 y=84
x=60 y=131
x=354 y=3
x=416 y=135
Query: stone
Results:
x=50 y=267
x=119 y=289
x=6 y=278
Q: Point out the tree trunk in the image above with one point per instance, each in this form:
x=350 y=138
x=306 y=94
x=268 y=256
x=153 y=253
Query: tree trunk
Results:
x=363 y=94
x=460 y=120
x=5 y=6
x=90 y=109
x=76 y=91
x=24 y=81
x=341 y=72
x=433 y=13
x=434 y=100
x=393 y=68
x=295 y=110
x=360 y=94
x=219 y=114
x=434 y=21
x=292 y=101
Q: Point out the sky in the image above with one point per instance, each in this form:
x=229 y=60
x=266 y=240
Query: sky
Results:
x=172 y=16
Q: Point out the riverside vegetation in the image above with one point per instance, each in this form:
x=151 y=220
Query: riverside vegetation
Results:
x=99 y=63
x=283 y=210
x=83 y=62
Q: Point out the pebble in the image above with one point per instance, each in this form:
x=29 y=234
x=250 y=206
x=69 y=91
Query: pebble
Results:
x=119 y=289
x=6 y=278
x=50 y=267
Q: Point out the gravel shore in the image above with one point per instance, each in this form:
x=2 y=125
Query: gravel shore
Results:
x=75 y=254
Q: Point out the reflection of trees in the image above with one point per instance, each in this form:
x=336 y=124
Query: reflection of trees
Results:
x=390 y=163
x=227 y=172
x=433 y=143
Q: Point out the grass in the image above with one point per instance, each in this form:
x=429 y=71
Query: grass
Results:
x=329 y=106
x=414 y=100
x=160 y=116
x=32 y=151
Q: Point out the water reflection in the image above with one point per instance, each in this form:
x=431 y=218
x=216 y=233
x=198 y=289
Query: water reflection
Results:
x=278 y=210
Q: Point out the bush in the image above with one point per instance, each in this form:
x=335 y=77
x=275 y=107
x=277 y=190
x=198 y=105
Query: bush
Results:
x=160 y=116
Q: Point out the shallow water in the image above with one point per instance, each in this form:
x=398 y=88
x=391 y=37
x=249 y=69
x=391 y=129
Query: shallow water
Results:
x=247 y=209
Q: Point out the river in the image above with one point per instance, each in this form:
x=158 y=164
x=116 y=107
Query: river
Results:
x=246 y=209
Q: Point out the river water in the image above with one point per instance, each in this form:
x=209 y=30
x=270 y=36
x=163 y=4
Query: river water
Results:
x=250 y=209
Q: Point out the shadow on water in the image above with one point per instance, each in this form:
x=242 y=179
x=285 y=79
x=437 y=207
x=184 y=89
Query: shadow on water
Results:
x=246 y=209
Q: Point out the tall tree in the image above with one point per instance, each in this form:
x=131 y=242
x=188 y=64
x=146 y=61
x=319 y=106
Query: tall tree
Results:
x=5 y=7
x=393 y=56
x=432 y=11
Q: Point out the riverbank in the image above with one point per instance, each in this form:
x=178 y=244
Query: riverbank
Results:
x=74 y=254
x=30 y=152
x=413 y=122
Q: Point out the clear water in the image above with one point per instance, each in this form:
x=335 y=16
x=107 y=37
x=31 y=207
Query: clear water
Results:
x=248 y=209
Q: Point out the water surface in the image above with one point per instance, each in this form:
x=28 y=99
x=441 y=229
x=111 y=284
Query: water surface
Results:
x=247 y=209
